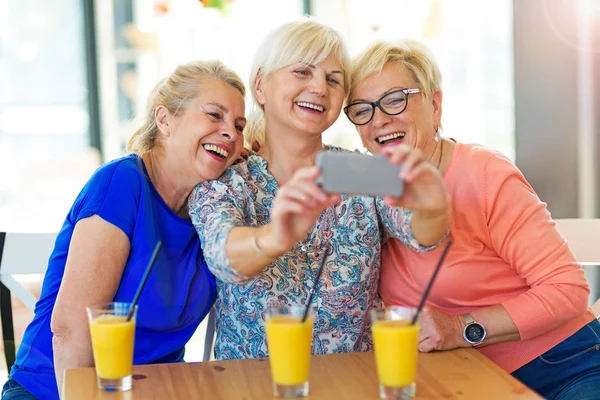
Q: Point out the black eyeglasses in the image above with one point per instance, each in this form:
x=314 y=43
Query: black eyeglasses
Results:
x=392 y=103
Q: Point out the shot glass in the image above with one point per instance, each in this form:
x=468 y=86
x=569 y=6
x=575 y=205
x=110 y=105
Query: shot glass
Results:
x=396 y=351
x=112 y=344
x=289 y=341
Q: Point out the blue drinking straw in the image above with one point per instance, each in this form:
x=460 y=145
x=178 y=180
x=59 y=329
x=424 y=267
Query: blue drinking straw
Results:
x=151 y=263
x=314 y=287
x=428 y=288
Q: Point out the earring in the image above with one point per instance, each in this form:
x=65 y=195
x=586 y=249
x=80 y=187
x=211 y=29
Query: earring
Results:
x=436 y=129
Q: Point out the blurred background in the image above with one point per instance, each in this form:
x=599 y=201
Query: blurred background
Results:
x=520 y=76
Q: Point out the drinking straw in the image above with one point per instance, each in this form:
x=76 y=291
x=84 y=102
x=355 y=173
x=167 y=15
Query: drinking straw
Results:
x=151 y=263
x=428 y=288
x=313 y=289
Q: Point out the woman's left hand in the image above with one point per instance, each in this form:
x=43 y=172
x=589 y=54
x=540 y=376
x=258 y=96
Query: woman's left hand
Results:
x=424 y=188
x=440 y=331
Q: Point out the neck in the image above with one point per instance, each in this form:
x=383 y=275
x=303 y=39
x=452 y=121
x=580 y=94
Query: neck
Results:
x=169 y=180
x=286 y=152
x=441 y=154
x=437 y=153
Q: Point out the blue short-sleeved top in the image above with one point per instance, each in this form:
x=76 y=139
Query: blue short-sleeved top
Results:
x=353 y=229
x=179 y=292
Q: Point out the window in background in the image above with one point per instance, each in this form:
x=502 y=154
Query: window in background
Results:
x=472 y=42
x=142 y=41
x=44 y=125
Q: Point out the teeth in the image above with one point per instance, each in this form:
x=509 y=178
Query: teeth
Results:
x=390 y=136
x=310 y=105
x=222 y=152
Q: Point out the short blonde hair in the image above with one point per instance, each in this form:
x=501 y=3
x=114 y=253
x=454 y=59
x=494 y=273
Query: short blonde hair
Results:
x=175 y=92
x=300 y=41
x=414 y=56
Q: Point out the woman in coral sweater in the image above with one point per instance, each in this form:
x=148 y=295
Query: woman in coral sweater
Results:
x=510 y=285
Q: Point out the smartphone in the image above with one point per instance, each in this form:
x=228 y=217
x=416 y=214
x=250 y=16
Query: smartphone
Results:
x=354 y=173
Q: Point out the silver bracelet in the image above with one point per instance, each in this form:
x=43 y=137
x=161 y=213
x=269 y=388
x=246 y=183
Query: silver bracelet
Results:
x=256 y=247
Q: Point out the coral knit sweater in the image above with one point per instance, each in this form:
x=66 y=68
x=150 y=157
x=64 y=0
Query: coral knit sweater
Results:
x=506 y=251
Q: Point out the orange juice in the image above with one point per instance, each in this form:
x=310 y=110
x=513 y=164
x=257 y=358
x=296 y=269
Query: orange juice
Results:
x=289 y=342
x=396 y=349
x=112 y=343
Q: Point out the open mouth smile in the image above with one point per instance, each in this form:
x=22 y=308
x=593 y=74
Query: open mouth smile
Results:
x=391 y=137
x=310 y=106
x=216 y=150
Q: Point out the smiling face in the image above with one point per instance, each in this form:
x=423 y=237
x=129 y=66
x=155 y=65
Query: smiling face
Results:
x=303 y=98
x=415 y=126
x=207 y=137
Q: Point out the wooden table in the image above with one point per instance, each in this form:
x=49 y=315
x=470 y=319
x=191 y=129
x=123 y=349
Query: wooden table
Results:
x=457 y=374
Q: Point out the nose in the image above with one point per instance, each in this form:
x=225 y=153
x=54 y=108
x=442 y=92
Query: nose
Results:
x=318 y=85
x=230 y=133
x=380 y=119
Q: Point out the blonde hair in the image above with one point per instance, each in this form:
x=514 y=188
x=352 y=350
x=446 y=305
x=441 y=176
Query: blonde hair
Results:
x=414 y=56
x=174 y=92
x=299 y=41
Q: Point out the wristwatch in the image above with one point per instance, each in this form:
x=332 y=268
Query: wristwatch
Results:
x=474 y=333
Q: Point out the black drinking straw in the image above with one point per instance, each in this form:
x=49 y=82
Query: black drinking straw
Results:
x=313 y=289
x=136 y=297
x=430 y=284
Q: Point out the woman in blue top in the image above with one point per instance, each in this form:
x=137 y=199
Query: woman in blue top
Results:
x=192 y=133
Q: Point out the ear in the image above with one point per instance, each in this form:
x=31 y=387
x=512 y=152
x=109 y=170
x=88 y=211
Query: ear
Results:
x=258 y=88
x=162 y=117
x=436 y=101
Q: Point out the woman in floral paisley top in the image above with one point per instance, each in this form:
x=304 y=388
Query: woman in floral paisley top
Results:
x=265 y=225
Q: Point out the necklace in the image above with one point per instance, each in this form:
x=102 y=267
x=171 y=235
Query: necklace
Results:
x=441 y=154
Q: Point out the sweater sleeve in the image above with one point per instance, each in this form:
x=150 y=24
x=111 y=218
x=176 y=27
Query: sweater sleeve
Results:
x=216 y=207
x=524 y=235
x=396 y=223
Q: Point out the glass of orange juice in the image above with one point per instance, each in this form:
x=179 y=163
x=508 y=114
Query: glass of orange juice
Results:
x=112 y=344
x=396 y=349
x=289 y=341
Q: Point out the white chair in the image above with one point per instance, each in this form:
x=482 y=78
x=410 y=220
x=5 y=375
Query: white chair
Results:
x=20 y=253
x=583 y=236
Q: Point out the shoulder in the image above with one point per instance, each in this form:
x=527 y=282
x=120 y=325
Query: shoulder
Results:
x=114 y=192
x=477 y=154
x=480 y=162
x=126 y=170
x=236 y=182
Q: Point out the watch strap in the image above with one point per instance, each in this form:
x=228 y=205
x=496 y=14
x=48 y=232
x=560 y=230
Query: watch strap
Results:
x=468 y=319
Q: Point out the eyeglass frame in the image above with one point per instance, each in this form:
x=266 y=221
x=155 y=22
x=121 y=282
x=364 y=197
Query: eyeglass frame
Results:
x=376 y=104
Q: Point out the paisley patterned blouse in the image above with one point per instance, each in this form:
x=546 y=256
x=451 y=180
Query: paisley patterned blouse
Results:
x=352 y=231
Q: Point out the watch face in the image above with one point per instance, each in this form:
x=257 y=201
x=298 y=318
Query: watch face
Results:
x=475 y=333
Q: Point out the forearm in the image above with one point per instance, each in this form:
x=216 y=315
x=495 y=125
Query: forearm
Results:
x=429 y=229
x=71 y=351
x=499 y=325
x=248 y=256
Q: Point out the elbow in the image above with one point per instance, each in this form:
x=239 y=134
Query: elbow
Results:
x=230 y=277
x=62 y=331
x=66 y=329
x=578 y=300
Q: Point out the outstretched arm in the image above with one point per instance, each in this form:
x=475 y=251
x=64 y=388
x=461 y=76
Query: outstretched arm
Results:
x=235 y=251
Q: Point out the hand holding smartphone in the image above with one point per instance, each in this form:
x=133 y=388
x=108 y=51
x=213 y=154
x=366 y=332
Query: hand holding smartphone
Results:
x=353 y=173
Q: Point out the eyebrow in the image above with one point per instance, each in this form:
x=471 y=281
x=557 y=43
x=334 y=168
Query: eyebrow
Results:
x=219 y=105
x=226 y=110
x=380 y=96
x=332 y=72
